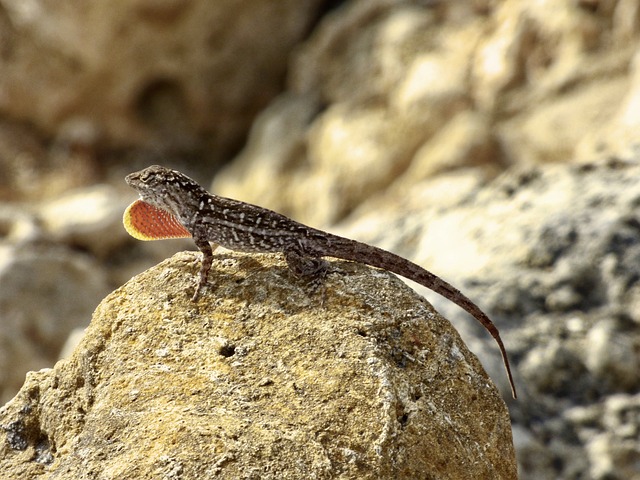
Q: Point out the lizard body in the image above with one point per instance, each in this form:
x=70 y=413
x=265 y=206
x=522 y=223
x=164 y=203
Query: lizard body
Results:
x=173 y=205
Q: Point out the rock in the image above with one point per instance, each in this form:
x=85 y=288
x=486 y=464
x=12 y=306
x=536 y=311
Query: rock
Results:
x=90 y=218
x=17 y=225
x=553 y=255
x=411 y=90
x=618 y=136
x=46 y=292
x=276 y=143
x=147 y=72
x=32 y=170
x=464 y=142
x=610 y=430
x=361 y=137
x=548 y=65
x=612 y=356
x=260 y=380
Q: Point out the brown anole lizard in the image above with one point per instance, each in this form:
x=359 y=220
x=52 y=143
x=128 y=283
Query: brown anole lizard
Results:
x=173 y=205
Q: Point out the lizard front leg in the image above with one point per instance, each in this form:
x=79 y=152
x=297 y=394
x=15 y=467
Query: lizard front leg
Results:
x=207 y=259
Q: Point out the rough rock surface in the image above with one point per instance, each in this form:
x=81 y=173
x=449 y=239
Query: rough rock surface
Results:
x=260 y=380
x=553 y=254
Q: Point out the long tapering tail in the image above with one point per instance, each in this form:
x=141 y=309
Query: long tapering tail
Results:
x=336 y=246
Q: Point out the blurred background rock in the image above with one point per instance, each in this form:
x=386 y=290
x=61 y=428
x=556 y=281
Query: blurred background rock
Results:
x=493 y=142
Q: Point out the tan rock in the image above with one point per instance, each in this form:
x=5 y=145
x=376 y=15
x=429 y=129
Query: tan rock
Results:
x=617 y=135
x=260 y=380
x=354 y=152
x=147 y=71
x=465 y=141
x=90 y=218
x=275 y=149
x=411 y=91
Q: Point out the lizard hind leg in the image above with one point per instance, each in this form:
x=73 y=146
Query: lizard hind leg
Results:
x=312 y=269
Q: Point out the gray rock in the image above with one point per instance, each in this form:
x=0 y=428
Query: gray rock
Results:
x=46 y=292
x=553 y=255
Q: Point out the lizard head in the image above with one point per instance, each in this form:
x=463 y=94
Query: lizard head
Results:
x=165 y=188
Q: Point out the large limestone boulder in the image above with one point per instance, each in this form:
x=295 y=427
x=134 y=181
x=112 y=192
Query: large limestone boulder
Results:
x=260 y=379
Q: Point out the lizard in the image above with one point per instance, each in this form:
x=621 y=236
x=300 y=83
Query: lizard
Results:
x=172 y=205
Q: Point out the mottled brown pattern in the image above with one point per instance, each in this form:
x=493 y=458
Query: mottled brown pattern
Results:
x=241 y=226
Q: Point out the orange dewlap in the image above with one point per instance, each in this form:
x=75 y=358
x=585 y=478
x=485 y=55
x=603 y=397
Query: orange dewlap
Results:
x=146 y=222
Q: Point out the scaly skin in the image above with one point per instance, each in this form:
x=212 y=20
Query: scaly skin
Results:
x=173 y=205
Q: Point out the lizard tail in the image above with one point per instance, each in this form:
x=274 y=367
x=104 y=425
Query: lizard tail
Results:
x=377 y=257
